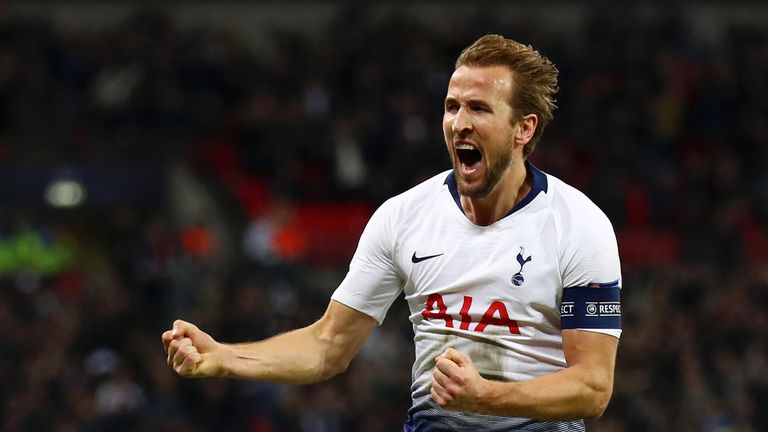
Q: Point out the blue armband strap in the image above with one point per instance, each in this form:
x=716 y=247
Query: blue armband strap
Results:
x=595 y=306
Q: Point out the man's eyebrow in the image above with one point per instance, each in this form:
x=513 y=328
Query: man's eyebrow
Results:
x=473 y=101
x=478 y=102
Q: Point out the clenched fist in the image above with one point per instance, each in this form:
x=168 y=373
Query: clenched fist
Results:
x=456 y=383
x=192 y=352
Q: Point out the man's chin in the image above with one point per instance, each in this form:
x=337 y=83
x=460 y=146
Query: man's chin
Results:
x=475 y=190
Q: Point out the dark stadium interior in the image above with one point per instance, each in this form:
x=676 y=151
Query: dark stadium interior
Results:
x=155 y=168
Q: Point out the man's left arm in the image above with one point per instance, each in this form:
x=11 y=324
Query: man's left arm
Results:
x=581 y=390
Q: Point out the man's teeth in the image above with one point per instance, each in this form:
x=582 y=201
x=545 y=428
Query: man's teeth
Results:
x=464 y=147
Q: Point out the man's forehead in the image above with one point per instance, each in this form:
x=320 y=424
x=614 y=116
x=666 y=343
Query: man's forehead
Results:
x=481 y=78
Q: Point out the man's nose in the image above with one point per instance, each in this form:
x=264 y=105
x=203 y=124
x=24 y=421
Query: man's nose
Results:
x=462 y=122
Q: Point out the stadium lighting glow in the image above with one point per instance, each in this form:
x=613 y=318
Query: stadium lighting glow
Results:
x=65 y=193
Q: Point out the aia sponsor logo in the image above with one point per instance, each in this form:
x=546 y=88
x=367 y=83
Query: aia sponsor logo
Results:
x=495 y=314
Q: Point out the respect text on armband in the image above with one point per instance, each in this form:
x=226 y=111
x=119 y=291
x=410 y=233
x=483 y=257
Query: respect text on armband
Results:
x=596 y=306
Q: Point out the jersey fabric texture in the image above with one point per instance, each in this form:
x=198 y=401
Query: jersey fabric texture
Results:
x=492 y=292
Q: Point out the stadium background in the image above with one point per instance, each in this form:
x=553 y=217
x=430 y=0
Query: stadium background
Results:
x=217 y=162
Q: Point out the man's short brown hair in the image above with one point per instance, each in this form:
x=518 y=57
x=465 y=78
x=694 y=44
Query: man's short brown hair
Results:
x=534 y=77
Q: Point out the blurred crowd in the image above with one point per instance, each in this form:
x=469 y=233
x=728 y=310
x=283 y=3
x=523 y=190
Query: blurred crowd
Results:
x=665 y=131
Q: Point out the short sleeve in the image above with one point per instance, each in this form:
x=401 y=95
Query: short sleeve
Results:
x=590 y=260
x=372 y=283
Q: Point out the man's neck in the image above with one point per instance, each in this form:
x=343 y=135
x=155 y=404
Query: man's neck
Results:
x=511 y=189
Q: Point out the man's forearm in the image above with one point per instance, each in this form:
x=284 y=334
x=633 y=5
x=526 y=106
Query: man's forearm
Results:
x=571 y=393
x=307 y=355
x=298 y=357
x=581 y=390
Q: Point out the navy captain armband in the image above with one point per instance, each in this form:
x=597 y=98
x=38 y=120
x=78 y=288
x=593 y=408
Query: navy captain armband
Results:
x=595 y=306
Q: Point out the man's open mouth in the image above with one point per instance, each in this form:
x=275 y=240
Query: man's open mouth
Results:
x=469 y=156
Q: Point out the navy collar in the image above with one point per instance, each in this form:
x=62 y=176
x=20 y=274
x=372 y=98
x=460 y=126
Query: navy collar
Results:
x=538 y=184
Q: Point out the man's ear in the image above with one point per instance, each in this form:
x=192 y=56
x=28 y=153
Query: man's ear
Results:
x=526 y=127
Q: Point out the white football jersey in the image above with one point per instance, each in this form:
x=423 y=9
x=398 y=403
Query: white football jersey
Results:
x=492 y=292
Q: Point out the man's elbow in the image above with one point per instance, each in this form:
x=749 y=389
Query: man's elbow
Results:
x=333 y=369
x=334 y=364
x=598 y=401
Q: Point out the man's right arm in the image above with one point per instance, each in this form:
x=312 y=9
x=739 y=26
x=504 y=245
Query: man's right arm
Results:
x=310 y=354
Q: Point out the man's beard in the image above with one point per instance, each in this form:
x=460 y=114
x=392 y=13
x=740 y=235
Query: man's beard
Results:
x=492 y=177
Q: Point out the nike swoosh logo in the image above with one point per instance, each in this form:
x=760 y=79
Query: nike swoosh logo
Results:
x=415 y=259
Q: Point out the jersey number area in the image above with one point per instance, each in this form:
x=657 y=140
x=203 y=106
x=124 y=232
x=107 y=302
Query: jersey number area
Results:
x=496 y=314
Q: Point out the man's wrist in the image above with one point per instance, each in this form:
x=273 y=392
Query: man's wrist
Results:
x=223 y=361
x=487 y=391
x=492 y=394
